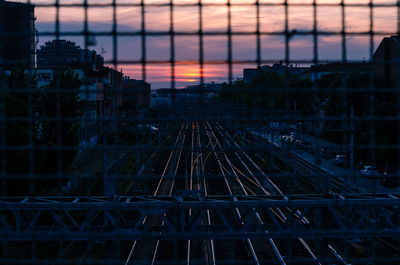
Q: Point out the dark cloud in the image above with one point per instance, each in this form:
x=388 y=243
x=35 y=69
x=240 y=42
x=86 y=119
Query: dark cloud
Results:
x=129 y=48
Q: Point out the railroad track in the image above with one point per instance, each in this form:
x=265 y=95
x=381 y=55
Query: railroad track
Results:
x=312 y=173
x=139 y=253
x=270 y=188
x=238 y=172
x=336 y=186
x=202 y=150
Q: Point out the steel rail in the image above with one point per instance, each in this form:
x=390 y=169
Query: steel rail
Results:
x=248 y=241
x=271 y=241
x=190 y=188
x=134 y=245
x=298 y=213
x=147 y=160
x=281 y=216
x=211 y=244
x=126 y=191
x=170 y=190
x=336 y=183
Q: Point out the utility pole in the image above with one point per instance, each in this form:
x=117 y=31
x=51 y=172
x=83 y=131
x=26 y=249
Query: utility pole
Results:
x=352 y=138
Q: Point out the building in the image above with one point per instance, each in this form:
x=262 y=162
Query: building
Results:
x=250 y=73
x=182 y=98
x=160 y=100
x=17 y=38
x=206 y=87
x=138 y=91
x=113 y=87
x=319 y=70
x=101 y=90
x=387 y=61
x=387 y=75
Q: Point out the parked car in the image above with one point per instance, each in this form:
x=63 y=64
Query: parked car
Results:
x=287 y=139
x=147 y=127
x=299 y=142
x=341 y=161
x=369 y=172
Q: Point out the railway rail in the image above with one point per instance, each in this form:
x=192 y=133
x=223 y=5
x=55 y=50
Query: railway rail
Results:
x=211 y=189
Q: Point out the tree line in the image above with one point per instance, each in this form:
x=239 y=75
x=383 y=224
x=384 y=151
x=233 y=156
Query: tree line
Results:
x=41 y=129
x=339 y=103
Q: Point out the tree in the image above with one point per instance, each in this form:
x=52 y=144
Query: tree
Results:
x=18 y=132
x=18 y=127
x=61 y=110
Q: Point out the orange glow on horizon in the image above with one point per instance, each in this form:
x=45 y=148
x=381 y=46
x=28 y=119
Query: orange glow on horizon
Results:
x=160 y=75
x=191 y=74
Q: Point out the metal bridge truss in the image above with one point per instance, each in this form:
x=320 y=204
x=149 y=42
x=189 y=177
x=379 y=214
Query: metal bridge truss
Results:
x=121 y=218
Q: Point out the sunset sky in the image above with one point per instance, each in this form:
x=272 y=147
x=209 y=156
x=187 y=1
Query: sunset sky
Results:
x=215 y=47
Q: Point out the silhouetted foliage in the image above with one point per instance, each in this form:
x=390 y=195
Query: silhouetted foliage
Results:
x=61 y=111
x=330 y=99
x=33 y=122
x=18 y=130
x=269 y=90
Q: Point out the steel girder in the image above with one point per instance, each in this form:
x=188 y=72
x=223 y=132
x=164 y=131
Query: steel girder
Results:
x=121 y=218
